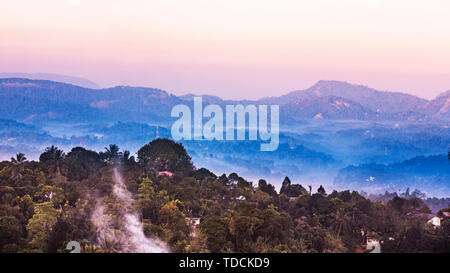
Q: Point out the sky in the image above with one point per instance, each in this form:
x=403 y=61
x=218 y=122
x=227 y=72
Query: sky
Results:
x=232 y=48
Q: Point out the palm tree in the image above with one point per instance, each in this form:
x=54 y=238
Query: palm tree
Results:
x=341 y=221
x=112 y=154
x=59 y=157
x=53 y=158
x=127 y=157
x=20 y=158
x=17 y=168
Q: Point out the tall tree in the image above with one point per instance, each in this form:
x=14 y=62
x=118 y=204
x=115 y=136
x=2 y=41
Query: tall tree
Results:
x=112 y=154
x=81 y=163
x=291 y=190
x=53 y=158
x=341 y=221
x=20 y=158
x=267 y=188
x=41 y=224
x=17 y=168
x=321 y=191
x=165 y=155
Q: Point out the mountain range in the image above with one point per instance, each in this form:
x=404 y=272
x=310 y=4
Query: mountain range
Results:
x=53 y=77
x=44 y=101
x=332 y=133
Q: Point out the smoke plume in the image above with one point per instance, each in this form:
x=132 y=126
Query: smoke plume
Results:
x=126 y=235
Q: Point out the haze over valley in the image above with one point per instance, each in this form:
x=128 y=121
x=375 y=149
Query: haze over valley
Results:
x=334 y=133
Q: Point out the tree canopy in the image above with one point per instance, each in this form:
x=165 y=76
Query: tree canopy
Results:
x=60 y=198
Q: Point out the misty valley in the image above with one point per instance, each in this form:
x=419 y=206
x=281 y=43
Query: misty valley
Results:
x=354 y=167
x=358 y=155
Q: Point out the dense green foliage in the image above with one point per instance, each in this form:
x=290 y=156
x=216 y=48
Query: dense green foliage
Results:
x=46 y=204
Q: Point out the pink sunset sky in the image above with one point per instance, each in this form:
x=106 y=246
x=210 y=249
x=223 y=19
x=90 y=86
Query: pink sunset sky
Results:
x=232 y=48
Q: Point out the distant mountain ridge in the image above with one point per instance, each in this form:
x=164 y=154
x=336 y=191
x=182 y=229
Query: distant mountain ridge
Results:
x=439 y=107
x=43 y=100
x=342 y=100
x=329 y=107
x=82 y=82
x=376 y=101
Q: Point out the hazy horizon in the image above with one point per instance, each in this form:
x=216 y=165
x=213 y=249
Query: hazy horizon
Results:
x=232 y=49
x=40 y=76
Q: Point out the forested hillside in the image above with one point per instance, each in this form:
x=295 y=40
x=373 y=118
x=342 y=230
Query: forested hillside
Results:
x=159 y=201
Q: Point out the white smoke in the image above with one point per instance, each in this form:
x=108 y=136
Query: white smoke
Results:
x=108 y=237
x=133 y=223
x=131 y=237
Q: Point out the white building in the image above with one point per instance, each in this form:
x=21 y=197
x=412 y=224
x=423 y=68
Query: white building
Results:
x=435 y=221
x=193 y=223
x=373 y=245
x=240 y=198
